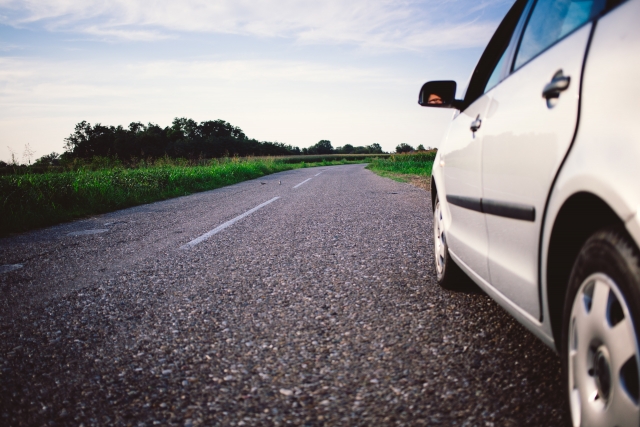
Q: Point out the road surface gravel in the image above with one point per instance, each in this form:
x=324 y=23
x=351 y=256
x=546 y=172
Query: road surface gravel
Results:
x=320 y=308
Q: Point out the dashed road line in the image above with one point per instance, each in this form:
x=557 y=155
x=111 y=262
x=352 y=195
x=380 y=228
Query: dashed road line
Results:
x=303 y=182
x=88 y=232
x=318 y=173
x=225 y=225
x=9 y=267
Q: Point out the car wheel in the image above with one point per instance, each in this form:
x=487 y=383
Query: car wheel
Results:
x=600 y=354
x=448 y=273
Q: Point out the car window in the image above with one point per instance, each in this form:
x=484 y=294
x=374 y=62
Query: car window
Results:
x=496 y=53
x=498 y=71
x=549 y=22
x=494 y=79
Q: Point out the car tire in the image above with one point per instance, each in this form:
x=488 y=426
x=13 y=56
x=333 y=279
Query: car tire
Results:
x=448 y=273
x=600 y=353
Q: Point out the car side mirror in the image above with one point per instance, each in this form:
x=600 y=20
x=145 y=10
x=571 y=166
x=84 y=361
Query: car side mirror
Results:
x=441 y=94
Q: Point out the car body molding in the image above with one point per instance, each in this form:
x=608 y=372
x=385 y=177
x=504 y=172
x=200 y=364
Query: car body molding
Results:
x=509 y=210
x=473 y=203
x=495 y=207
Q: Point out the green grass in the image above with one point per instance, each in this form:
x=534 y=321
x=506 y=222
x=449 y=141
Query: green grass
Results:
x=99 y=163
x=403 y=166
x=400 y=177
x=30 y=201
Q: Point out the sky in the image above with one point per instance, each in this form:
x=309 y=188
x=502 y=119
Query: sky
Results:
x=290 y=71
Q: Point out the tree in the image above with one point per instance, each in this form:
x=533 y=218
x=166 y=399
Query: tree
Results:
x=404 y=148
x=27 y=154
x=346 y=149
x=184 y=138
x=323 y=147
x=375 y=148
x=14 y=162
x=87 y=141
x=52 y=159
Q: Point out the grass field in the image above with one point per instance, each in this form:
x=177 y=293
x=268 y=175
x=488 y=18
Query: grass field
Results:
x=29 y=201
x=414 y=168
x=98 y=163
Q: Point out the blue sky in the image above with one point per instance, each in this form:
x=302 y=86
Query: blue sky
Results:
x=289 y=71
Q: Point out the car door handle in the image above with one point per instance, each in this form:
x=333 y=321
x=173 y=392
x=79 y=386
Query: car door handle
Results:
x=475 y=125
x=558 y=83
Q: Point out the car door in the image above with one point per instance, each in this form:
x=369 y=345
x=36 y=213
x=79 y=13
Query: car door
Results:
x=526 y=136
x=461 y=154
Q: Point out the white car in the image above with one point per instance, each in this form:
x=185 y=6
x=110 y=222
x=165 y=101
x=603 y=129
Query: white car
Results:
x=536 y=190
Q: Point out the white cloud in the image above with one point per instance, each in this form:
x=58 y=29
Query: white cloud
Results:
x=23 y=75
x=390 y=24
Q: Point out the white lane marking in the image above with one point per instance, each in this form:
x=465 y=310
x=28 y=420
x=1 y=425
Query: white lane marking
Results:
x=9 y=267
x=302 y=182
x=318 y=173
x=225 y=225
x=88 y=232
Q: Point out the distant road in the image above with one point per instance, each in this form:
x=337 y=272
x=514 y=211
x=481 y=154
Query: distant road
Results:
x=306 y=297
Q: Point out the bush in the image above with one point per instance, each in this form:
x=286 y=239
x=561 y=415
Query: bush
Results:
x=404 y=148
x=417 y=163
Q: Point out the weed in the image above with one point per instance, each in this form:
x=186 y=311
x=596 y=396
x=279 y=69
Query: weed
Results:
x=410 y=167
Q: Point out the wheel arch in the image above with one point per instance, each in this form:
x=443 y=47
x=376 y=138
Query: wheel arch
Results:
x=581 y=215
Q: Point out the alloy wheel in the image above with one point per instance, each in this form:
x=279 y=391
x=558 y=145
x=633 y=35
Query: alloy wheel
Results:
x=603 y=357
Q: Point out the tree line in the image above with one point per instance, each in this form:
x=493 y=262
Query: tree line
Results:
x=185 y=138
x=324 y=147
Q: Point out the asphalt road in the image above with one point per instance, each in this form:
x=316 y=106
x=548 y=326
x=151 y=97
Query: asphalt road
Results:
x=318 y=308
